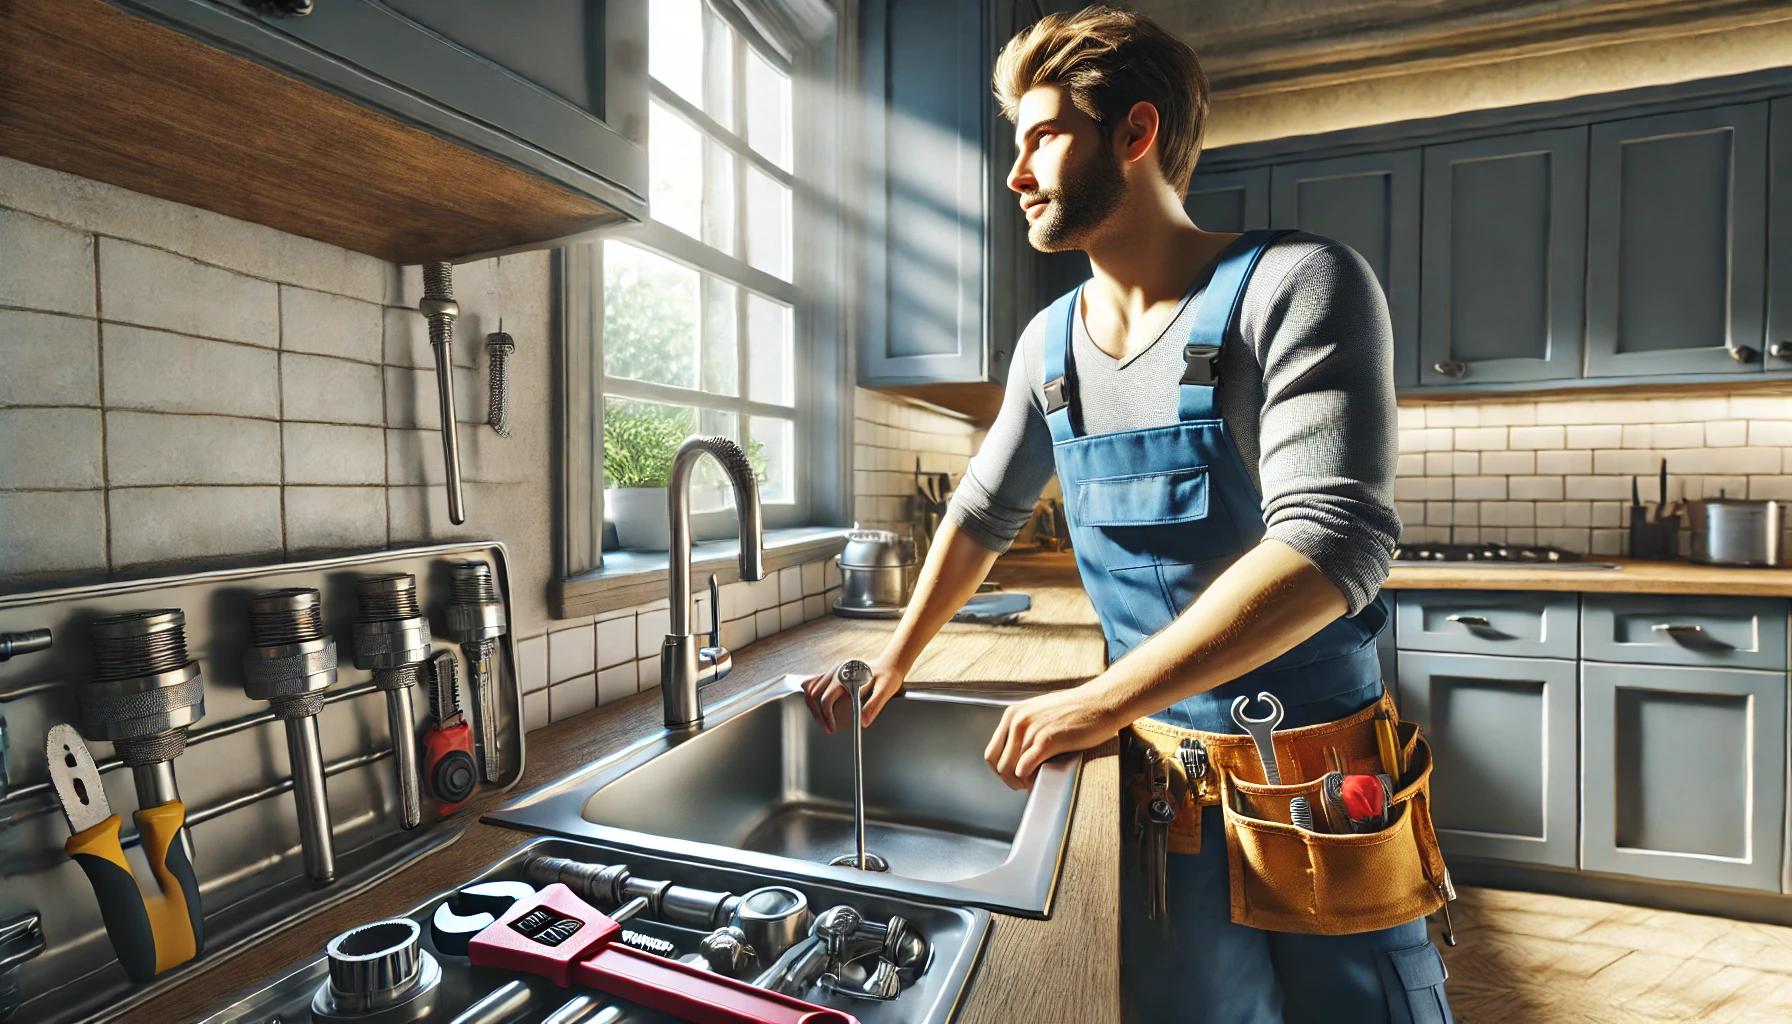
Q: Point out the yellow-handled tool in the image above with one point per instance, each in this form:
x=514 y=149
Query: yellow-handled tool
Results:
x=150 y=934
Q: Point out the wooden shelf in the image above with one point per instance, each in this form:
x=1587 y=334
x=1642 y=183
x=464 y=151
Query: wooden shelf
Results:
x=92 y=90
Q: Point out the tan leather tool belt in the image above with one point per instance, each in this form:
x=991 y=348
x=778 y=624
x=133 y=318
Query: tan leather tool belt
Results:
x=1287 y=878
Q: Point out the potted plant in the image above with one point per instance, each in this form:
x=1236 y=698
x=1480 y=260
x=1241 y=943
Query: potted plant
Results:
x=638 y=451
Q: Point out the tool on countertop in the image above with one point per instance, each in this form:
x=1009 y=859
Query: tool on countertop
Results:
x=499 y=347
x=560 y=937
x=476 y=621
x=289 y=664
x=448 y=768
x=149 y=934
x=613 y=885
x=144 y=696
x=392 y=639
x=378 y=971
x=1262 y=733
x=439 y=308
x=30 y=640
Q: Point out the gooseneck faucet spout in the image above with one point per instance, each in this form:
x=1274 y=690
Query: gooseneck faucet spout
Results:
x=684 y=665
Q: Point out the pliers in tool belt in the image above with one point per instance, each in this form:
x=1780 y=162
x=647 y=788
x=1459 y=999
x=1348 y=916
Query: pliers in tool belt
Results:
x=150 y=934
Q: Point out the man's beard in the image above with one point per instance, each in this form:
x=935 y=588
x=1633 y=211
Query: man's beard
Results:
x=1080 y=202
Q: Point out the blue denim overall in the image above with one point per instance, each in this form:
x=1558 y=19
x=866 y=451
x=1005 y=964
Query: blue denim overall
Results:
x=1155 y=515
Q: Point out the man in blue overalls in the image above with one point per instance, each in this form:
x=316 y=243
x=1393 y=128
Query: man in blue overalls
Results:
x=1219 y=411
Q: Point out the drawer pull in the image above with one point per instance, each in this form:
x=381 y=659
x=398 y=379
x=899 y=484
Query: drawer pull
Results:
x=1478 y=621
x=1684 y=632
x=1478 y=625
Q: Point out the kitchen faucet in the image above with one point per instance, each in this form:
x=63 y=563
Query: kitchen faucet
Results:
x=683 y=664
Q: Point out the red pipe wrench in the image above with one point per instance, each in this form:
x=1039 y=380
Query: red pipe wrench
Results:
x=564 y=939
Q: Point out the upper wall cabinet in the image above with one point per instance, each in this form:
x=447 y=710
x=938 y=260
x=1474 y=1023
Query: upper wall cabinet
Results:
x=410 y=129
x=1779 y=236
x=1230 y=200
x=1504 y=247
x=1370 y=203
x=1676 y=253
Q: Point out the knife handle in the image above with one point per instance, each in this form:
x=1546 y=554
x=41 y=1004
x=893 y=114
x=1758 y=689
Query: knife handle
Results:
x=149 y=935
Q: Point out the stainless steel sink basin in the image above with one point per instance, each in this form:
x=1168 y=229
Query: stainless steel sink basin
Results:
x=762 y=786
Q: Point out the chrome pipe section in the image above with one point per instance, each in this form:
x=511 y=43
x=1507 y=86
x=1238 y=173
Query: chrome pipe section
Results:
x=290 y=663
x=439 y=308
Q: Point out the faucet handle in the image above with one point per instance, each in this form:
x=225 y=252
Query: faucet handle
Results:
x=715 y=613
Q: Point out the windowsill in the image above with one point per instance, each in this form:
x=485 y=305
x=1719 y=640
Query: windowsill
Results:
x=637 y=577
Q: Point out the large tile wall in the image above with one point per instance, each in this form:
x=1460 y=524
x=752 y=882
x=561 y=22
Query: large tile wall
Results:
x=1559 y=472
x=890 y=435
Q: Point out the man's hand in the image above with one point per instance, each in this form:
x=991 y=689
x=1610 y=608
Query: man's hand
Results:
x=825 y=690
x=1040 y=728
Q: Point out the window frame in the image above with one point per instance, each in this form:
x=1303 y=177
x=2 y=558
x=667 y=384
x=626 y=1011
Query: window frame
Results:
x=821 y=351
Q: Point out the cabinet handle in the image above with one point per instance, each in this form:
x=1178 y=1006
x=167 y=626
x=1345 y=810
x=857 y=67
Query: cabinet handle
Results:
x=1744 y=353
x=1451 y=368
x=281 y=8
x=1469 y=620
x=1780 y=349
x=1683 y=632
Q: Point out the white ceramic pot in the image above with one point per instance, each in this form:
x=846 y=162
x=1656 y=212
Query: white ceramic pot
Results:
x=640 y=517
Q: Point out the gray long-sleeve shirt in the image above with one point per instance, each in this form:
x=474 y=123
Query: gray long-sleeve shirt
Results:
x=1306 y=390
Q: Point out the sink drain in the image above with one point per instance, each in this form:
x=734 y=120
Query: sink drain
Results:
x=851 y=860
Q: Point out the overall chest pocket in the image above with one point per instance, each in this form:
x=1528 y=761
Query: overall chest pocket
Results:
x=1166 y=538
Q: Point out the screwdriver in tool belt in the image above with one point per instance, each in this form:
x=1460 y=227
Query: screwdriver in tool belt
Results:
x=150 y=934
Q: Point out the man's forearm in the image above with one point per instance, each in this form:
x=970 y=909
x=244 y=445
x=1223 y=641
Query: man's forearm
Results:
x=955 y=566
x=1264 y=604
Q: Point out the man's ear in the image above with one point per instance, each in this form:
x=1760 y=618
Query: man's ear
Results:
x=1136 y=132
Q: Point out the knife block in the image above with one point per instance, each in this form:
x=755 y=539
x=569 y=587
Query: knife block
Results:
x=1657 y=540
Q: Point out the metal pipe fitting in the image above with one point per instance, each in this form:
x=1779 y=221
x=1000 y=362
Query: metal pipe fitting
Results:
x=376 y=967
x=30 y=640
x=144 y=696
x=439 y=308
x=476 y=620
x=392 y=640
x=290 y=663
x=499 y=347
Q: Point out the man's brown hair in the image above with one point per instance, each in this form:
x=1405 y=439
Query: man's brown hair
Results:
x=1109 y=59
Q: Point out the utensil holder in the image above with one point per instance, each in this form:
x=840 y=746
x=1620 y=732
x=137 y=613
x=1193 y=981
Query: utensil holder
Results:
x=1657 y=540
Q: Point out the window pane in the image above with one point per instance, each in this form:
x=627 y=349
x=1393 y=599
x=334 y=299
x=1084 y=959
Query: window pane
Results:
x=650 y=317
x=674 y=50
x=691 y=179
x=768 y=110
x=772 y=452
x=639 y=439
x=710 y=489
x=720 y=342
x=768 y=224
x=771 y=369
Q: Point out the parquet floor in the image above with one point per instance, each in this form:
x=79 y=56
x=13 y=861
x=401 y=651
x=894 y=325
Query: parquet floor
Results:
x=1531 y=957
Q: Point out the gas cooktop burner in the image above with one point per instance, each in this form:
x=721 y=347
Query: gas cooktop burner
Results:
x=1541 y=554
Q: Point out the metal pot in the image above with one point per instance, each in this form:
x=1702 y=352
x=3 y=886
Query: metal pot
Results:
x=877 y=569
x=1731 y=531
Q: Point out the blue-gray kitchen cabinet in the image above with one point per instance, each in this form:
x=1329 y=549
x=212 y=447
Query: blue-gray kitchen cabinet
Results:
x=1504 y=250
x=559 y=88
x=1503 y=734
x=1779 y=236
x=1503 y=623
x=1369 y=202
x=1230 y=200
x=1678 y=629
x=1676 y=244
x=1683 y=773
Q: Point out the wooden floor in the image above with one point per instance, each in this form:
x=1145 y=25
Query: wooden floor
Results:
x=1529 y=957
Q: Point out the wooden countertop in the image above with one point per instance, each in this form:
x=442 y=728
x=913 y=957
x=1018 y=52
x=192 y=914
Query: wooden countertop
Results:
x=1062 y=968
x=1633 y=576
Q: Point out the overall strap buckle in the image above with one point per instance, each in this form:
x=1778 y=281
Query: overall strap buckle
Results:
x=1054 y=395
x=1202 y=364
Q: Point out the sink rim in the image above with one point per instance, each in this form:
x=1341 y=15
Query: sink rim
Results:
x=1025 y=883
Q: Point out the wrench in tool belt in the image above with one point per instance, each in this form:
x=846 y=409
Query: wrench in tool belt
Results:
x=1262 y=732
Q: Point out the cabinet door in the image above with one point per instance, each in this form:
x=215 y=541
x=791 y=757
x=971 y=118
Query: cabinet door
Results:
x=924 y=298
x=1503 y=733
x=1504 y=251
x=1683 y=773
x=1676 y=245
x=1779 y=238
x=1370 y=203
x=560 y=88
x=1230 y=200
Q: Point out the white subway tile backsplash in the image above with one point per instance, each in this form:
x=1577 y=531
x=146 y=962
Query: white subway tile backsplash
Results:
x=1565 y=463
x=1513 y=463
x=50 y=360
x=1757 y=406
x=321 y=389
x=51 y=532
x=149 y=449
x=1410 y=464
x=182 y=524
x=738 y=633
x=1550 y=437
x=532 y=664
x=1630 y=462
x=47 y=266
x=573 y=697
x=535 y=710
x=1603 y=435
x=614 y=684
x=1677 y=435
x=790 y=614
x=1534 y=488
x=162 y=372
x=766 y=622
x=651 y=628
x=1480 y=488
x=616 y=641
x=571 y=652
x=329 y=453
x=1686 y=409
x=647 y=674
x=790 y=584
x=814 y=607
x=329 y=325
x=1778 y=488
x=1776 y=433
x=1726 y=433
x=152 y=288
x=49 y=449
x=335 y=518
x=1480 y=438
x=1637 y=435
x=814 y=578
x=1596 y=487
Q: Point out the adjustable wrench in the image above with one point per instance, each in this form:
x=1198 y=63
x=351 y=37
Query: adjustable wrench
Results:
x=1262 y=732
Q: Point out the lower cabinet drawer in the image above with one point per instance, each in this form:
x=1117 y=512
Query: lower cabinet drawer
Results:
x=1683 y=773
x=1509 y=623
x=1675 y=629
x=1502 y=731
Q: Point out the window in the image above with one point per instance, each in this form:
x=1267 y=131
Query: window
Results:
x=705 y=318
